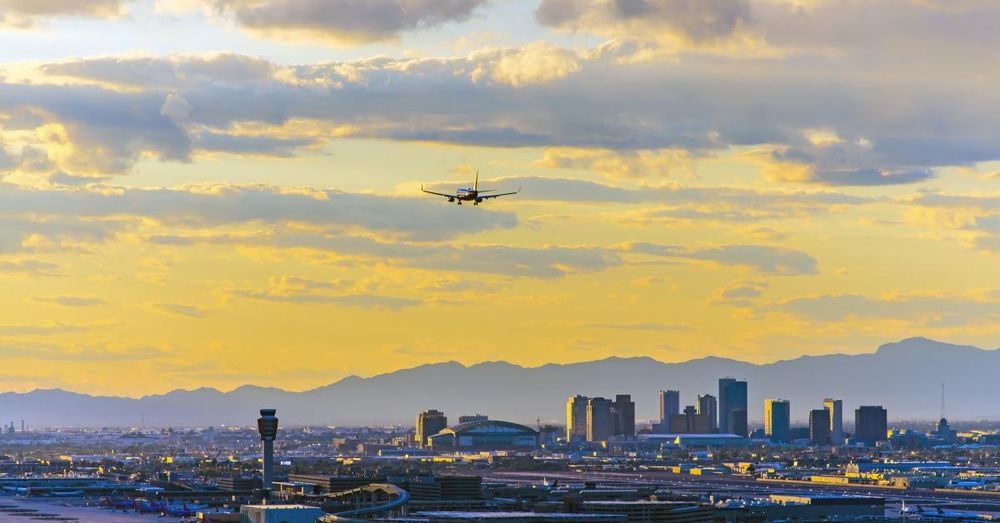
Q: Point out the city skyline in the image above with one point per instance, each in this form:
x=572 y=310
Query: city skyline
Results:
x=192 y=187
x=525 y=395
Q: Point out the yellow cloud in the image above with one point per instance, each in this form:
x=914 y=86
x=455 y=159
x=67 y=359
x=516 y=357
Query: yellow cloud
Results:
x=648 y=163
x=535 y=63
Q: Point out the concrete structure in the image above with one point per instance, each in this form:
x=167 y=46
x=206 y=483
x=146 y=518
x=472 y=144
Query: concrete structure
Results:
x=485 y=435
x=870 y=424
x=670 y=404
x=777 y=419
x=624 y=412
x=733 y=407
x=836 y=409
x=576 y=418
x=819 y=427
x=708 y=405
x=429 y=422
x=600 y=422
x=280 y=514
x=267 y=426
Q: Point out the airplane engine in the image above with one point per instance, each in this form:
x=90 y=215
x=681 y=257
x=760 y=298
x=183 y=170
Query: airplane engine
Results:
x=451 y=200
x=479 y=200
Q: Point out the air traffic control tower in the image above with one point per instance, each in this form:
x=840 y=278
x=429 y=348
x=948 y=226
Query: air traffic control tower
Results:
x=267 y=425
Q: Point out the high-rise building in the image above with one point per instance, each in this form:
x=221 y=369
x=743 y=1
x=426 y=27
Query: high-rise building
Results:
x=870 y=424
x=429 y=422
x=733 y=406
x=836 y=408
x=600 y=419
x=724 y=384
x=472 y=417
x=690 y=422
x=819 y=427
x=576 y=418
x=624 y=411
x=708 y=406
x=670 y=404
x=777 y=419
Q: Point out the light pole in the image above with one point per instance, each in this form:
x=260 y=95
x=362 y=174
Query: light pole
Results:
x=267 y=425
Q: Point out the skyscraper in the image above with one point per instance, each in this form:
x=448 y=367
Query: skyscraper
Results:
x=670 y=404
x=836 y=408
x=733 y=406
x=576 y=418
x=819 y=427
x=600 y=422
x=708 y=406
x=724 y=384
x=777 y=419
x=429 y=422
x=870 y=424
x=624 y=410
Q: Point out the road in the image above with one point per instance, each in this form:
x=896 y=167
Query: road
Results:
x=747 y=486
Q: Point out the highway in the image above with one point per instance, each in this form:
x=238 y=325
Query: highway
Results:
x=736 y=486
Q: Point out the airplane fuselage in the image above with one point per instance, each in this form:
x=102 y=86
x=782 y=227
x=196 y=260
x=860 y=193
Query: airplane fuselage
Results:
x=467 y=195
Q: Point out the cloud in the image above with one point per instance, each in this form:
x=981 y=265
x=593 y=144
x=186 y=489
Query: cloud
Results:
x=30 y=267
x=181 y=309
x=978 y=214
x=26 y=13
x=171 y=72
x=47 y=329
x=741 y=293
x=345 y=22
x=367 y=301
x=210 y=206
x=643 y=326
x=96 y=352
x=89 y=130
x=67 y=300
x=306 y=291
x=535 y=63
x=575 y=190
x=252 y=145
x=930 y=309
x=761 y=258
x=862 y=129
x=696 y=21
x=618 y=164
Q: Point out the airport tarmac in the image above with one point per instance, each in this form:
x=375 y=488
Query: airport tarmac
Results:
x=68 y=510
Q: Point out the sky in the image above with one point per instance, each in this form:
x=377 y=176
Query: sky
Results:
x=220 y=192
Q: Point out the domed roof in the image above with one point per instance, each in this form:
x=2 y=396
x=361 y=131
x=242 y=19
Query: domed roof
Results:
x=490 y=426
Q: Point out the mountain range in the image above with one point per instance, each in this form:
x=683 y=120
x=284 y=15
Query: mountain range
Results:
x=905 y=377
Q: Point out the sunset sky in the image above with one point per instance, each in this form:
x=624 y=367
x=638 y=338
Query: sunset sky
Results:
x=219 y=192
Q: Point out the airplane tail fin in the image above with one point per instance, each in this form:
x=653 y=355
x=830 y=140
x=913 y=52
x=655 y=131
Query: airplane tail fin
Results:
x=476 y=187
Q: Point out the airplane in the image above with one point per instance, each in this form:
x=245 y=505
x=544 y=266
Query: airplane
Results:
x=149 y=507
x=182 y=511
x=470 y=194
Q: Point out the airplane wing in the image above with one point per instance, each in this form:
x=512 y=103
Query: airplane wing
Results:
x=488 y=196
x=437 y=193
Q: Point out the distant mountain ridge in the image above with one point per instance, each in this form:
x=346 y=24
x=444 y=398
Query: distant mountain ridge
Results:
x=905 y=377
